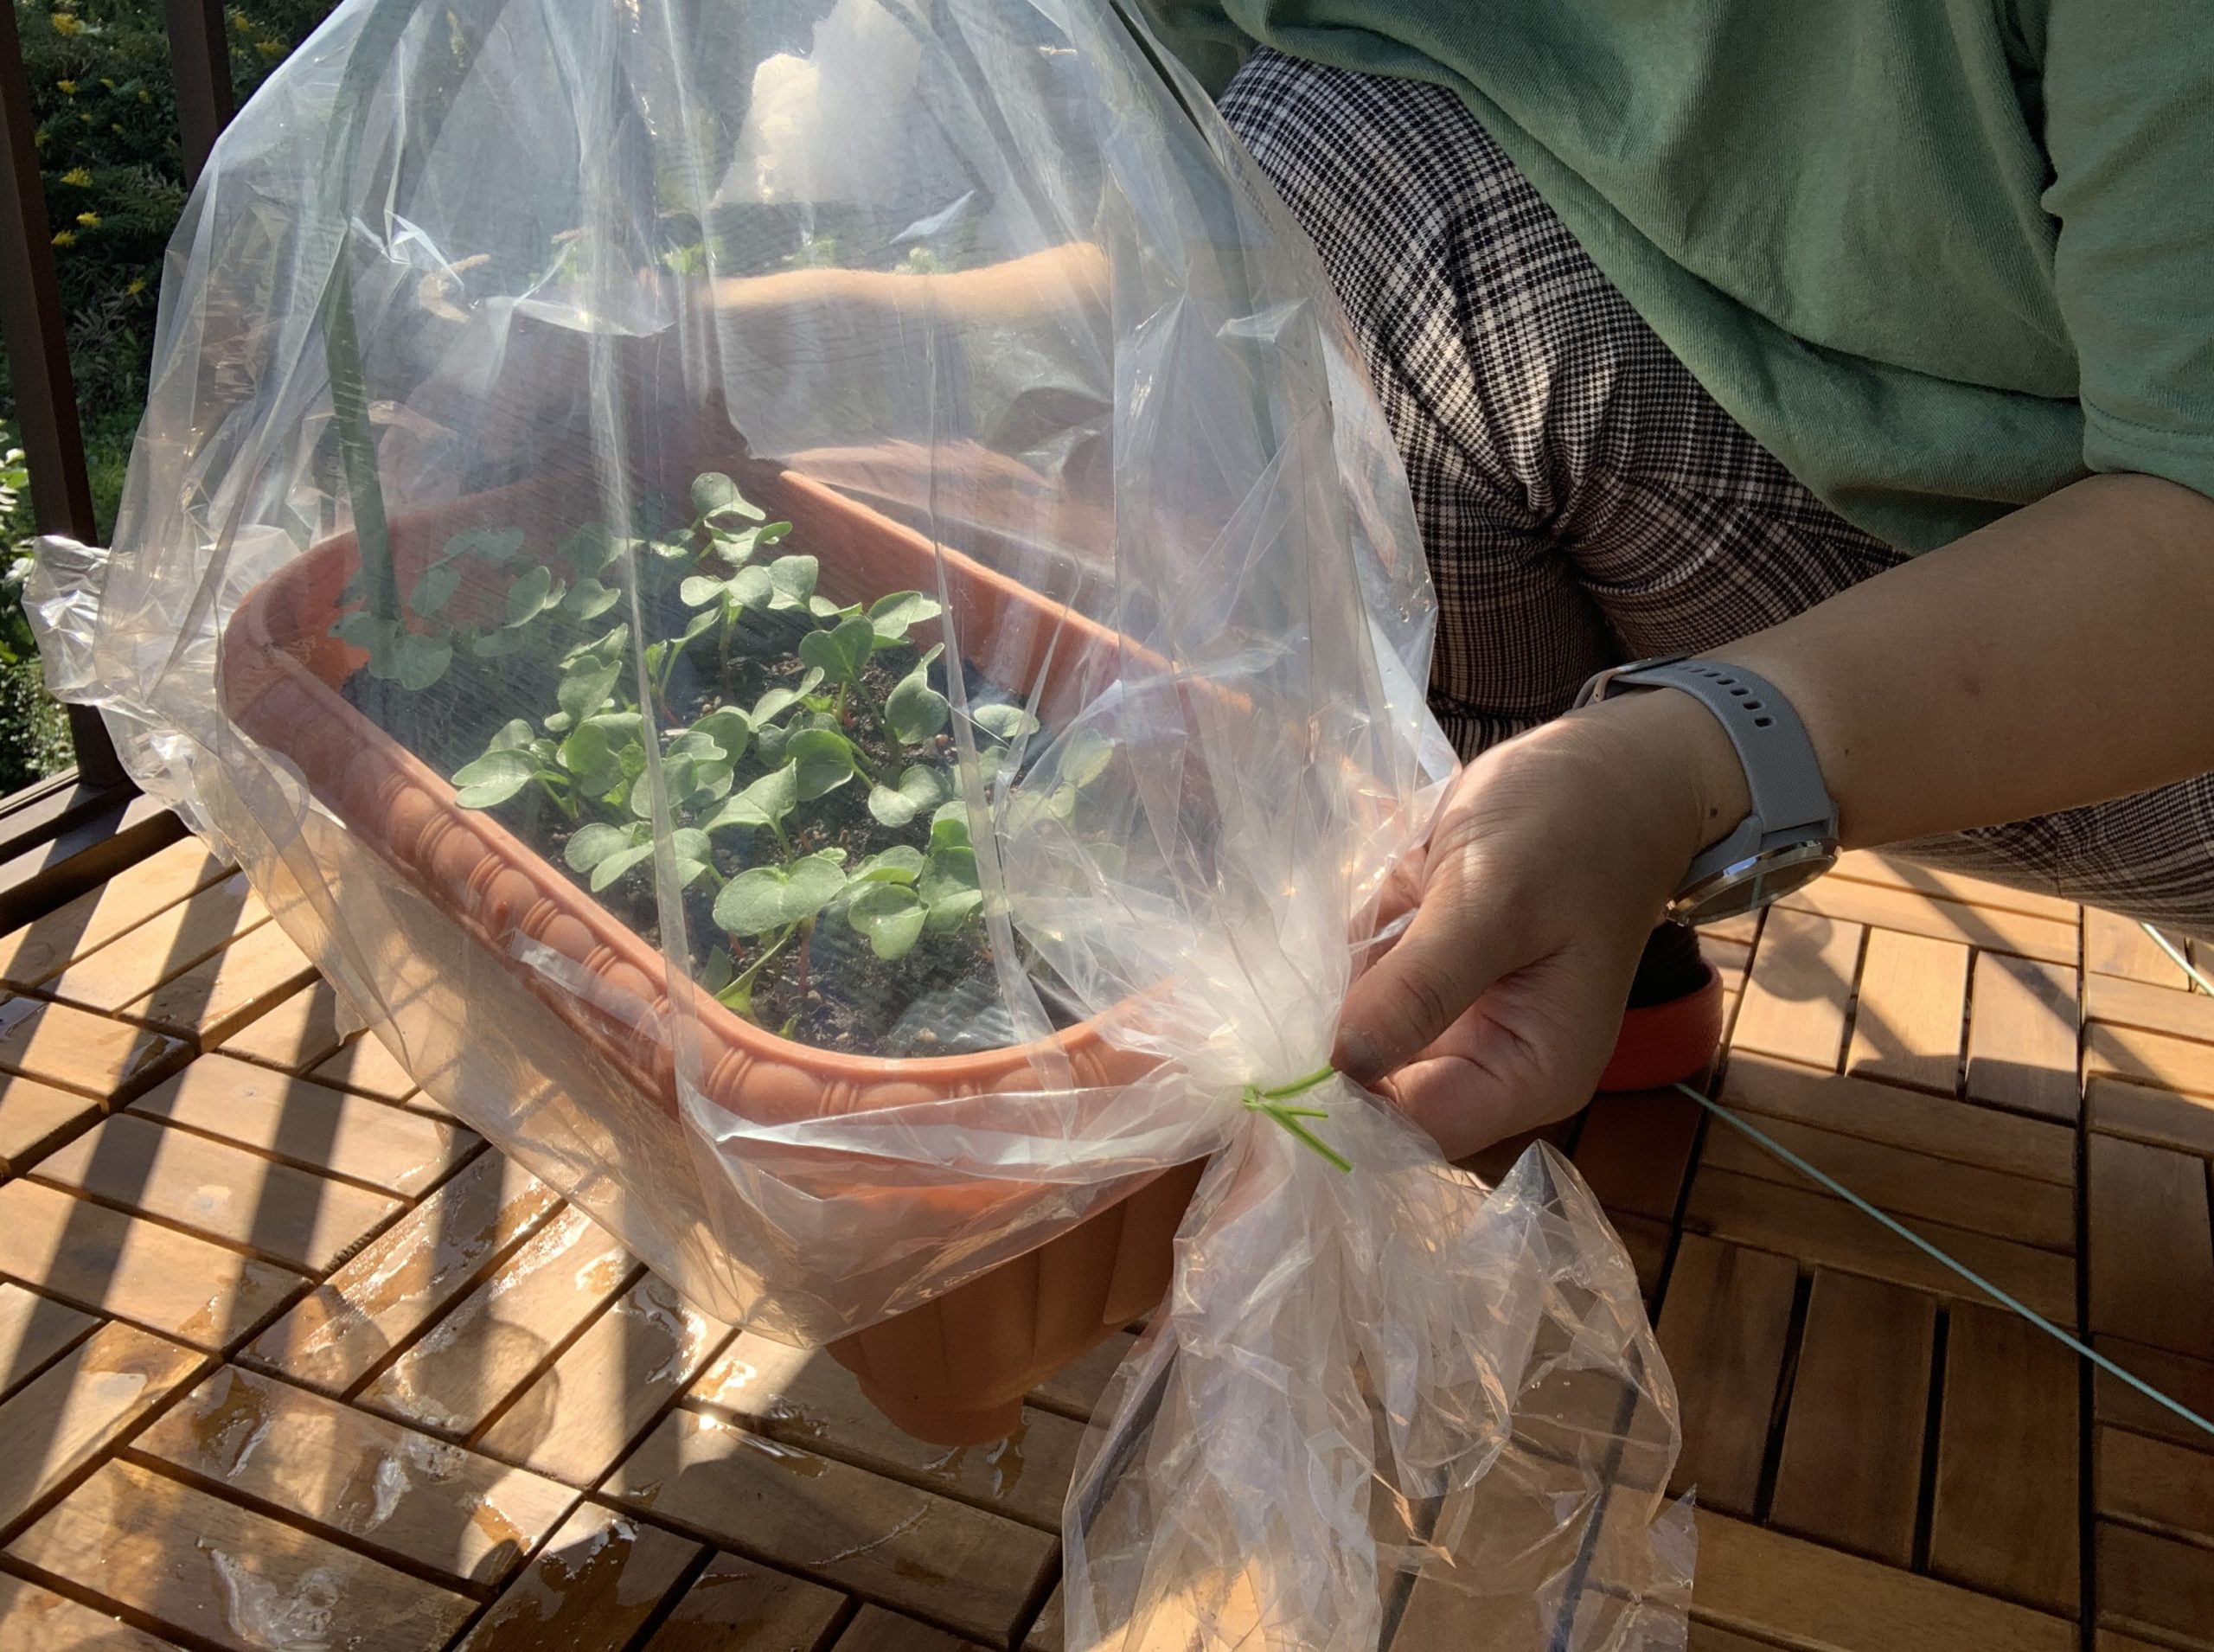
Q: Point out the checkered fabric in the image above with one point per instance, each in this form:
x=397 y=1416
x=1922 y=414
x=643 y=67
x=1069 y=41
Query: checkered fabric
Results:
x=1583 y=499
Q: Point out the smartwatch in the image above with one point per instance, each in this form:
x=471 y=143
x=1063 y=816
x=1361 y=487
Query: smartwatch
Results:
x=1790 y=837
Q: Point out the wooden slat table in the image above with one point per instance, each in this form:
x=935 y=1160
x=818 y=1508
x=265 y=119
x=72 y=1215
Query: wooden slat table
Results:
x=289 y=1355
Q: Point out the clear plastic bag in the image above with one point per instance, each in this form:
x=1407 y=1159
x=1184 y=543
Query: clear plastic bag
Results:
x=806 y=607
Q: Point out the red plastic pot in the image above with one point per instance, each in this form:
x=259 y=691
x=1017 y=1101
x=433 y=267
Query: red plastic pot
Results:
x=954 y=1370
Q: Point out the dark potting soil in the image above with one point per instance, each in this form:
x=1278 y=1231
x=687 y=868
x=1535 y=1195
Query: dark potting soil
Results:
x=829 y=989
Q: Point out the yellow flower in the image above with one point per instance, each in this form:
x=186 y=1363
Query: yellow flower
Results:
x=109 y=84
x=65 y=238
x=137 y=286
x=116 y=127
x=89 y=219
x=66 y=24
x=68 y=88
x=145 y=96
x=79 y=176
x=271 y=49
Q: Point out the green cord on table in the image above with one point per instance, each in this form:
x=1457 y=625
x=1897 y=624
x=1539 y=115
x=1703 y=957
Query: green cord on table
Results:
x=1272 y=1102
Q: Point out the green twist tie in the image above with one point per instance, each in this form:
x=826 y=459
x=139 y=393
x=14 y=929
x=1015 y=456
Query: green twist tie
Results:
x=1271 y=1101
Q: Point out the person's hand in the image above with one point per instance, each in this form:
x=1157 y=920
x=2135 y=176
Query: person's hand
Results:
x=1498 y=1007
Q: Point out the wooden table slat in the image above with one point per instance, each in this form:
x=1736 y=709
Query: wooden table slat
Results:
x=2156 y=1586
x=33 y=1330
x=309 y=1126
x=2158 y=1117
x=107 y=1263
x=957 y=1567
x=1817 y=1599
x=1724 y=1330
x=2023 y=1037
x=491 y=1343
x=164 y=946
x=1635 y=1148
x=2189 y=1382
x=1793 y=1004
x=2151 y=1242
x=1907 y=1184
x=1823 y=1231
x=380 y=1487
x=236 y=1579
x=44 y=947
x=1908 y=1024
x=275 y=1210
x=75 y=1049
x=65 y=1417
x=2004 y=1517
x=2140 y=1057
x=223 y=992
x=1991 y=929
x=591 y=1589
x=807 y=1399
x=2150 y=1482
x=740 y=1606
x=406 y=1276
x=2041 y=1151
x=294 y=1034
x=587 y=1408
x=1850 y=1472
x=36 y=1619
x=2116 y=945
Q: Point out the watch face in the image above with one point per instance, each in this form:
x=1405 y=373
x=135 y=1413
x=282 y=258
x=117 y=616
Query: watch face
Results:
x=1753 y=882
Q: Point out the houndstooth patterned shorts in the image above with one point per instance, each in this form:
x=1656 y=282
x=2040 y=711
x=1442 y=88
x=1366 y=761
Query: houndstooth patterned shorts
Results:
x=1583 y=499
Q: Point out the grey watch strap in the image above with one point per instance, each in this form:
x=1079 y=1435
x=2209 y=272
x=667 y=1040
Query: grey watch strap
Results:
x=1791 y=801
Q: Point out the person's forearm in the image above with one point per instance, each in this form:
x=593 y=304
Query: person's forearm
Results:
x=1061 y=284
x=2064 y=656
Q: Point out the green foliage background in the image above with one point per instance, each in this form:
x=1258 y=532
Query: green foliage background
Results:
x=104 y=111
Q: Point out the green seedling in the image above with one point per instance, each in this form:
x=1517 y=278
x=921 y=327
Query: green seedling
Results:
x=736 y=801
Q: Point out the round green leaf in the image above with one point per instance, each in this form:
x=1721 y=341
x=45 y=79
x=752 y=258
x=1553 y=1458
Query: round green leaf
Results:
x=729 y=727
x=589 y=549
x=766 y=802
x=892 y=617
x=712 y=490
x=527 y=597
x=949 y=827
x=767 y=898
x=493 y=778
x=420 y=661
x=816 y=880
x=593 y=843
x=1007 y=724
x=617 y=864
x=585 y=686
x=898 y=864
x=435 y=589
x=791 y=579
x=948 y=872
x=891 y=916
x=822 y=761
x=493 y=544
x=949 y=911
x=914 y=712
x=588 y=598
x=1084 y=756
x=753 y=903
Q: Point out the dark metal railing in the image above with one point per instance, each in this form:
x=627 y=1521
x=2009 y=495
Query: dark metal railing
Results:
x=34 y=330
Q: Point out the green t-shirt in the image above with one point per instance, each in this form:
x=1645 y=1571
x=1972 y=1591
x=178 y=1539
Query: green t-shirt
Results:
x=1940 y=257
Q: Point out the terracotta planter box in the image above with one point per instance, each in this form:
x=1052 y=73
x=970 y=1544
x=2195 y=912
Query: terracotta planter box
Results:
x=952 y=1371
